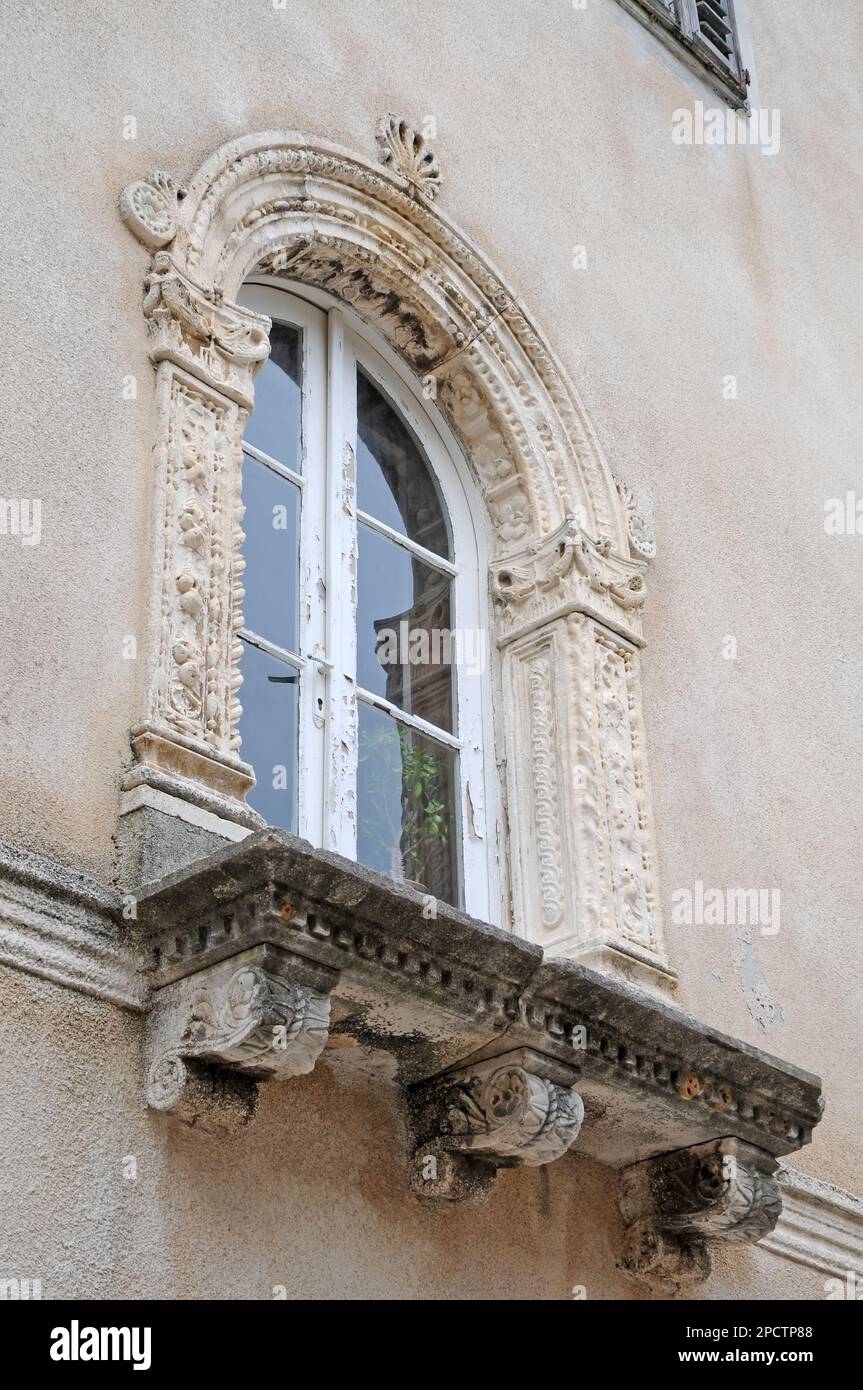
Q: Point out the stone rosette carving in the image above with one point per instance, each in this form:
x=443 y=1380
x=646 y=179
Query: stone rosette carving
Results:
x=243 y=1016
x=406 y=149
x=149 y=207
x=509 y=1111
x=674 y=1205
x=641 y=537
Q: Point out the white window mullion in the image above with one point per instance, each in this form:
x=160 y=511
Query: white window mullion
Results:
x=340 y=796
x=313 y=689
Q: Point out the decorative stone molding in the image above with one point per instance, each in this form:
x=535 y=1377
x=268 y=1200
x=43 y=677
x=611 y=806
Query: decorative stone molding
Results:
x=674 y=1204
x=584 y=875
x=565 y=573
x=408 y=151
x=248 y=1015
x=451 y=999
x=821 y=1226
x=65 y=927
x=512 y=1110
x=568 y=549
x=641 y=537
x=221 y=344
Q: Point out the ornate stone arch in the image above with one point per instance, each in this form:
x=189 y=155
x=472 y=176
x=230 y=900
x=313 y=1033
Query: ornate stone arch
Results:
x=569 y=549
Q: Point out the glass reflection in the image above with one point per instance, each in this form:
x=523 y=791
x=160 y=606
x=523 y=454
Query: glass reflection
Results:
x=394 y=482
x=272 y=554
x=406 y=825
x=268 y=729
x=404 y=641
x=274 y=425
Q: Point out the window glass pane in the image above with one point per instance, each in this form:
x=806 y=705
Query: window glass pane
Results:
x=274 y=424
x=406 y=820
x=272 y=554
x=404 y=638
x=268 y=729
x=394 y=483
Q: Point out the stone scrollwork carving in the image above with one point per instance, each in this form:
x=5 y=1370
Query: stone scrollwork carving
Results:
x=674 y=1205
x=222 y=344
x=567 y=571
x=513 y=1110
x=407 y=150
x=245 y=1018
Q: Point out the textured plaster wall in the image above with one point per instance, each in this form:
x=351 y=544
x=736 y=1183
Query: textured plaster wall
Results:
x=554 y=130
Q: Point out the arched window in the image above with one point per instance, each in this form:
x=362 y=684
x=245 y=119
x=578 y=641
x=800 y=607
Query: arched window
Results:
x=365 y=709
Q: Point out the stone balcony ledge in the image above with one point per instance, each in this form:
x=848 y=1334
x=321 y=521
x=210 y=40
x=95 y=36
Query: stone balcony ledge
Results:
x=437 y=990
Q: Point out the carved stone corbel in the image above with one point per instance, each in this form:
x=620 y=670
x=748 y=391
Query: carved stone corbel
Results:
x=517 y=1109
x=214 y=1035
x=675 y=1205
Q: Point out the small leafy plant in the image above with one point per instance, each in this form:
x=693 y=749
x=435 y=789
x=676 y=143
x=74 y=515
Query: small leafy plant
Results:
x=415 y=828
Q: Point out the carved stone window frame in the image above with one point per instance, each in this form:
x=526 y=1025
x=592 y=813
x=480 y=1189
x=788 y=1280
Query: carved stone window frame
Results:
x=568 y=551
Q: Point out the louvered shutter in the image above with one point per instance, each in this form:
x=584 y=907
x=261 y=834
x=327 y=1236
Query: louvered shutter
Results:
x=713 y=33
x=705 y=31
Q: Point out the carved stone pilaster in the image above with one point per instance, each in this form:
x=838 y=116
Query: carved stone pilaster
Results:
x=206 y=351
x=510 y=1111
x=213 y=1035
x=674 y=1205
x=584 y=857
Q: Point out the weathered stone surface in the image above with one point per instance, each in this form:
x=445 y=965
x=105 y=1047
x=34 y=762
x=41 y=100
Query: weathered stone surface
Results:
x=67 y=927
x=436 y=990
x=678 y=1203
x=262 y=1012
x=515 y=1109
x=431 y=990
x=648 y=1069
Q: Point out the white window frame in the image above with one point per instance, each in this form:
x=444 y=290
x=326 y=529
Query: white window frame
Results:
x=335 y=341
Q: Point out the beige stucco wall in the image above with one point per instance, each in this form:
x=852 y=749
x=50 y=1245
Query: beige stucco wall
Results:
x=554 y=130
